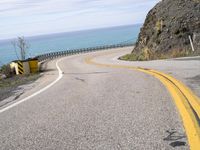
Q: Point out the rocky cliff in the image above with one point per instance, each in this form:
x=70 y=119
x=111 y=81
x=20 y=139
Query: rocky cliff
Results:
x=167 y=28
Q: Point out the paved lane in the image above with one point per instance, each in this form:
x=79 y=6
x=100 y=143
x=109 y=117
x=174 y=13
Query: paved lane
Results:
x=185 y=69
x=95 y=108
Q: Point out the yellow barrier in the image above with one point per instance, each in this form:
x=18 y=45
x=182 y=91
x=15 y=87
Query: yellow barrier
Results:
x=25 y=67
x=33 y=64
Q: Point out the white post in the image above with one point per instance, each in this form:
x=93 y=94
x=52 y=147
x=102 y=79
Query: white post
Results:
x=191 y=43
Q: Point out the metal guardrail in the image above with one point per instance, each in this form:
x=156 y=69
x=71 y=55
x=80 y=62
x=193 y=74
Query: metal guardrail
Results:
x=53 y=55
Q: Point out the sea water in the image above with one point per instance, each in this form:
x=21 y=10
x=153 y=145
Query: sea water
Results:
x=70 y=40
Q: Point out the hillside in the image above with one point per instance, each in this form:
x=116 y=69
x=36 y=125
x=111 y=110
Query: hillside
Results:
x=166 y=31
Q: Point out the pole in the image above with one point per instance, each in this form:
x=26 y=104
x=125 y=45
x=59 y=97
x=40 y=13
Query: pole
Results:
x=191 y=43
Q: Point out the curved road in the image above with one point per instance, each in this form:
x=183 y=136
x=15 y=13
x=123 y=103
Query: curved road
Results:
x=93 y=107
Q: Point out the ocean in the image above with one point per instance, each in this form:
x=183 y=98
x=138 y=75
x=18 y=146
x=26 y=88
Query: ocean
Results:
x=70 y=40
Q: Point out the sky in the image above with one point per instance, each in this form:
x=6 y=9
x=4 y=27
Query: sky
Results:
x=38 y=17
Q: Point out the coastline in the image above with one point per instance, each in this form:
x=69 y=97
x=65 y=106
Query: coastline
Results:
x=71 y=40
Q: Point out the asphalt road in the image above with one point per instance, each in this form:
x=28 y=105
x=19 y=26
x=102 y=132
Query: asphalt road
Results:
x=94 y=107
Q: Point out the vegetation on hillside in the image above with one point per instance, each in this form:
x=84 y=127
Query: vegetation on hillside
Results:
x=166 y=31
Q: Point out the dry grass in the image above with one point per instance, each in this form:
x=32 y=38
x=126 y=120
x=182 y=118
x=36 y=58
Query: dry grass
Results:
x=159 y=26
x=147 y=54
x=130 y=57
x=5 y=69
x=18 y=80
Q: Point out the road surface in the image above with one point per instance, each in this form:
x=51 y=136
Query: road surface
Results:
x=93 y=107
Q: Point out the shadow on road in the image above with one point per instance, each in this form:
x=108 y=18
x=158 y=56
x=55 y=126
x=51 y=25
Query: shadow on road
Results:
x=174 y=137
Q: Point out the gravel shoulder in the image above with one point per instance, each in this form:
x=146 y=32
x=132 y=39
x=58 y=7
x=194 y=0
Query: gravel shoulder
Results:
x=17 y=88
x=9 y=86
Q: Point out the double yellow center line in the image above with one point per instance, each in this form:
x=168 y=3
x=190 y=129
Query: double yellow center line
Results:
x=186 y=101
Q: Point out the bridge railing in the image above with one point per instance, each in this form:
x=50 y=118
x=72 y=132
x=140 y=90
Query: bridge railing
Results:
x=53 y=55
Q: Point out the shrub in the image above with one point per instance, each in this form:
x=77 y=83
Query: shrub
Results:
x=5 y=69
x=131 y=57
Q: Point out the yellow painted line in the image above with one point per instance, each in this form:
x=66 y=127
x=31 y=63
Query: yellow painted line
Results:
x=193 y=99
x=186 y=101
x=189 y=120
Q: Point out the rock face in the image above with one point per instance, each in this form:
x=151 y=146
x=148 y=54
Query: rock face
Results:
x=167 y=29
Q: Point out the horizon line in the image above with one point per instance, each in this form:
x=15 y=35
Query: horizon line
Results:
x=73 y=31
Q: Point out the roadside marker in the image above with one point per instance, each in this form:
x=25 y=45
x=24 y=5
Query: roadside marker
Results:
x=20 y=67
x=191 y=43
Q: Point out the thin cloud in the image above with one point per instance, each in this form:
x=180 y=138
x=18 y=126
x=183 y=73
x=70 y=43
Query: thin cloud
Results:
x=32 y=17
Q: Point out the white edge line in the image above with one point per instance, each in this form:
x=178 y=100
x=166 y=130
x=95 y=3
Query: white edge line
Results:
x=38 y=92
x=115 y=58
